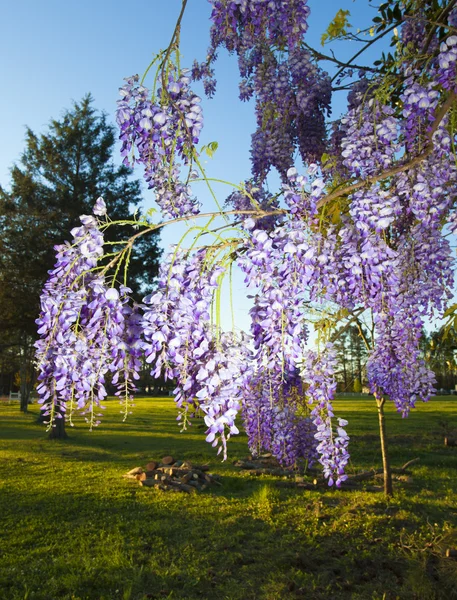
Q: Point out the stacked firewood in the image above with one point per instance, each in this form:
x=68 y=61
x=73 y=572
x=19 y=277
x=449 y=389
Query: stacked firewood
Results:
x=173 y=475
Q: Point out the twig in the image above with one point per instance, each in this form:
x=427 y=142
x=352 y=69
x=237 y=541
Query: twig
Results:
x=170 y=46
x=367 y=45
x=131 y=241
x=321 y=56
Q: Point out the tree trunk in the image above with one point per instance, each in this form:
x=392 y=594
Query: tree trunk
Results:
x=58 y=430
x=24 y=388
x=388 y=490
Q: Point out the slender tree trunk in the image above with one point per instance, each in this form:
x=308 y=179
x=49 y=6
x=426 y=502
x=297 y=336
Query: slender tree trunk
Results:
x=388 y=490
x=345 y=374
x=24 y=388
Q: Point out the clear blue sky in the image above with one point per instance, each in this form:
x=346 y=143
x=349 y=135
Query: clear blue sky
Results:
x=54 y=52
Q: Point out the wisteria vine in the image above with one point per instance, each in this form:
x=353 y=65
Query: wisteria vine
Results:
x=362 y=226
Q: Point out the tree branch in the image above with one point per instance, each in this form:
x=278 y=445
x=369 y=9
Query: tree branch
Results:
x=130 y=242
x=362 y=334
x=399 y=168
x=340 y=332
x=443 y=14
x=320 y=56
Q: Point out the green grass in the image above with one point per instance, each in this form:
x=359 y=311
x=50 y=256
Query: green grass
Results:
x=71 y=527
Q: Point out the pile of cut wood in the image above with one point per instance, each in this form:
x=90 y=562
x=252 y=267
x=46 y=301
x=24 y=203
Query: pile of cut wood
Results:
x=174 y=476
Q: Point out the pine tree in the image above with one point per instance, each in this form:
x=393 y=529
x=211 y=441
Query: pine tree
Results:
x=60 y=175
x=352 y=356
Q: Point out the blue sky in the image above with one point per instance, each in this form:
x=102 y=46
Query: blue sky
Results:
x=54 y=52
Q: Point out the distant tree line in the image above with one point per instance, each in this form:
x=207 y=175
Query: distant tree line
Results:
x=438 y=349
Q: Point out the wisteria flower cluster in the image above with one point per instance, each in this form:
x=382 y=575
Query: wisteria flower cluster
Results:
x=292 y=94
x=159 y=132
x=395 y=259
x=87 y=328
x=254 y=198
x=182 y=344
x=319 y=372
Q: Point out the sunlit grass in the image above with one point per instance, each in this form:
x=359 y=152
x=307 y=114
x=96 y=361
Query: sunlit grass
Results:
x=73 y=528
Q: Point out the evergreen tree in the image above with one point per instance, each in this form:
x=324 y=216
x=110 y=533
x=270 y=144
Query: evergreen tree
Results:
x=440 y=356
x=352 y=355
x=60 y=175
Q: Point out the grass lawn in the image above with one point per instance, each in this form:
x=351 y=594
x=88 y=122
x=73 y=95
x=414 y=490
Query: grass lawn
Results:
x=72 y=528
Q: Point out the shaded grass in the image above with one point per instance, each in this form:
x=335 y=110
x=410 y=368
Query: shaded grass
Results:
x=72 y=528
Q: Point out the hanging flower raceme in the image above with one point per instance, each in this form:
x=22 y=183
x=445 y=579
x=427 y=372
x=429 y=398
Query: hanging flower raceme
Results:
x=318 y=371
x=447 y=64
x=276 y=419
x=182 y=344
x=371 y=138
x=283 y=265
x=83 y=330
x=160 y=132
x=292 y=93
x=395 y=367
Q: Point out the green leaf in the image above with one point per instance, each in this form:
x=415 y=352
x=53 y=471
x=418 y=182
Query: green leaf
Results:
x=450 y=311
x=210 y=149
x=337 y=27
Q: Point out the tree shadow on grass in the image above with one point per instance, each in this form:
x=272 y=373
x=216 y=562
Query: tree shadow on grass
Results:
x=156 y=545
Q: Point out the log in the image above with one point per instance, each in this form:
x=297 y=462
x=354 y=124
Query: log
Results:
x=374 y=488
x=150 y=474
x=148 y=483
x=450 y=441
x=451 y=553
x=246 y=465
x=349 y=483
x=186 y=478
x=216 y=481
x=364 y=475
x=409 y=463
x=135 y=471
x=304 y=486
x=404 y=478
x=294 y=484
x=172 y=471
